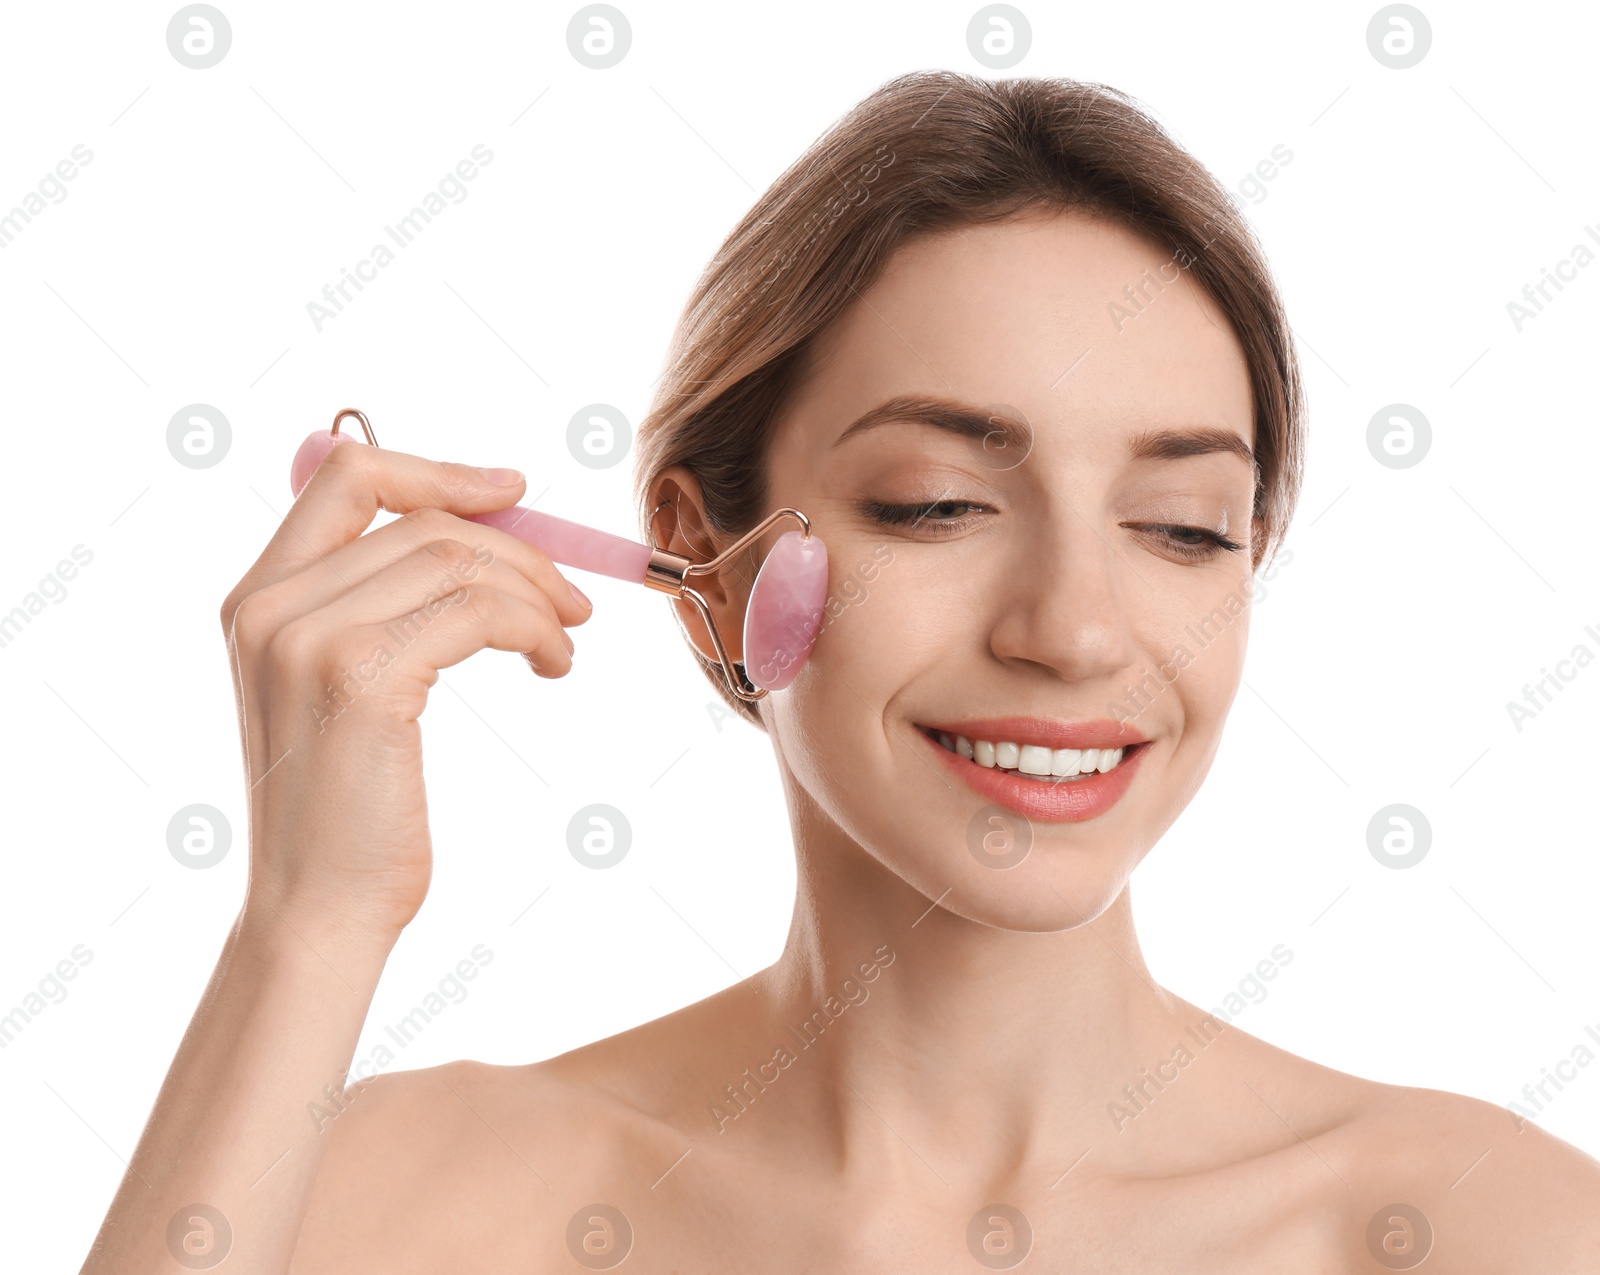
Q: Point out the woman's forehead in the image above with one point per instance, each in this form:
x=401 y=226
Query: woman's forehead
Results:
x=1025 y=317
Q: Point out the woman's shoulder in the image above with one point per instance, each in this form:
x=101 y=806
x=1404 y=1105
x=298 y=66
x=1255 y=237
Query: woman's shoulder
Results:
x=1509 y=1195
x=1404 y=1170
x=423 y=1167
x=512 y=1156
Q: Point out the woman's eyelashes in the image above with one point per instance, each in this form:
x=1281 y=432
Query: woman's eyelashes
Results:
x=1193 y=544
x=920 y=516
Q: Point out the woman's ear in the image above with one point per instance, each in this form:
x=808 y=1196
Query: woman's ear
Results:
x=679 y=525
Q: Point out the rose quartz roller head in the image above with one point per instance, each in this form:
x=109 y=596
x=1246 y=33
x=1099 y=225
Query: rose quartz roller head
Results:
x=781 y=621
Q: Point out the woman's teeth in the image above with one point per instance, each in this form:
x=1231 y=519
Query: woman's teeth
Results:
x=1033 y=760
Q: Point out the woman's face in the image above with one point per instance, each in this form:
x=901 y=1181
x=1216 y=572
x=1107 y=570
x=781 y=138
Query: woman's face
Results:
x=1076 y=579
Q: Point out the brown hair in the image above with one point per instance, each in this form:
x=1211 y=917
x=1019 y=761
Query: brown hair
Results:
x=927 y=151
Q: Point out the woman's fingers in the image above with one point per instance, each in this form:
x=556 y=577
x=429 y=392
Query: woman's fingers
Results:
x=345 y=493
x=480 y=616
x=353 y=566
x=398 y=660
x=409 y=593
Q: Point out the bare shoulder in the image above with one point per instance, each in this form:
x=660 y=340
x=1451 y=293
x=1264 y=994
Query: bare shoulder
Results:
x=513 y=1167
x=1387 y=1176
x=423 y=1169
x=1506 y=1195
x=1410 y=1174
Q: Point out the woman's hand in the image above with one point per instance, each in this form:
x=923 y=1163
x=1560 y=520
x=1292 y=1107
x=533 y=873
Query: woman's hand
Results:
x=335 y=638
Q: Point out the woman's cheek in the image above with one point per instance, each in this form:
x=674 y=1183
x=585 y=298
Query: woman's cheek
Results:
x=1216 y=667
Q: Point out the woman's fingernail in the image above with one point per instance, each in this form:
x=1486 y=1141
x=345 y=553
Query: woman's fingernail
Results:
x=578 y=593
x=567 y=638
x=502 y=477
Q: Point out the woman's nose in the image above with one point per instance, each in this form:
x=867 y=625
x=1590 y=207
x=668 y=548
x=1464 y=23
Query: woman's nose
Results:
x=1065 y=602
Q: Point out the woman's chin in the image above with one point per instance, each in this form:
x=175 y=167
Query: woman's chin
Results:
x=1030 y=898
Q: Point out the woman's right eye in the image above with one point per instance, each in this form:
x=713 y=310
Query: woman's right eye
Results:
x=923 y=515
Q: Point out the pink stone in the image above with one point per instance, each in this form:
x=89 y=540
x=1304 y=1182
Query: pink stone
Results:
x=310 y=455
x=785 y=611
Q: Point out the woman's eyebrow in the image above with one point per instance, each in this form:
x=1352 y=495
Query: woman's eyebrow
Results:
x=993 y=424
x=1199 y=440
x=964 y=419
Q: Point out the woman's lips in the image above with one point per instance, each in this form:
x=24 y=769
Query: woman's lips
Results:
x=1059 y=801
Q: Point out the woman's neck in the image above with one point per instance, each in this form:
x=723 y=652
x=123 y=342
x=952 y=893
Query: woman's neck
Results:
x=909 y=1041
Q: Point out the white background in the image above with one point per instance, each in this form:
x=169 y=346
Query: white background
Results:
x=1409 y=607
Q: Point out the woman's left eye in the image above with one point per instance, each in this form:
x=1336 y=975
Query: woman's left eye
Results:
x=927 y=514
x=1194 y=543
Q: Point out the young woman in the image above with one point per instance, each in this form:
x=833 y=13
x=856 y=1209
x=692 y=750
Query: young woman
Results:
x=1011 y=351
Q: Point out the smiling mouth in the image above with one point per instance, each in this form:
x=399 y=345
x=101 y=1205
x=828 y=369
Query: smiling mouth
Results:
x=1033 y=761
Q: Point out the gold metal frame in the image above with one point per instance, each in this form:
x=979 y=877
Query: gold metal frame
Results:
x=366 y=425
x=668 y=572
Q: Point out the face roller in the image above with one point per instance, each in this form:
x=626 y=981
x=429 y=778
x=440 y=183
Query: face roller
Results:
x=781 y=621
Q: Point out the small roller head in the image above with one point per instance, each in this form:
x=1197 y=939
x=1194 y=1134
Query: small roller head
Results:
x=310 y=455
x=785 y=612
